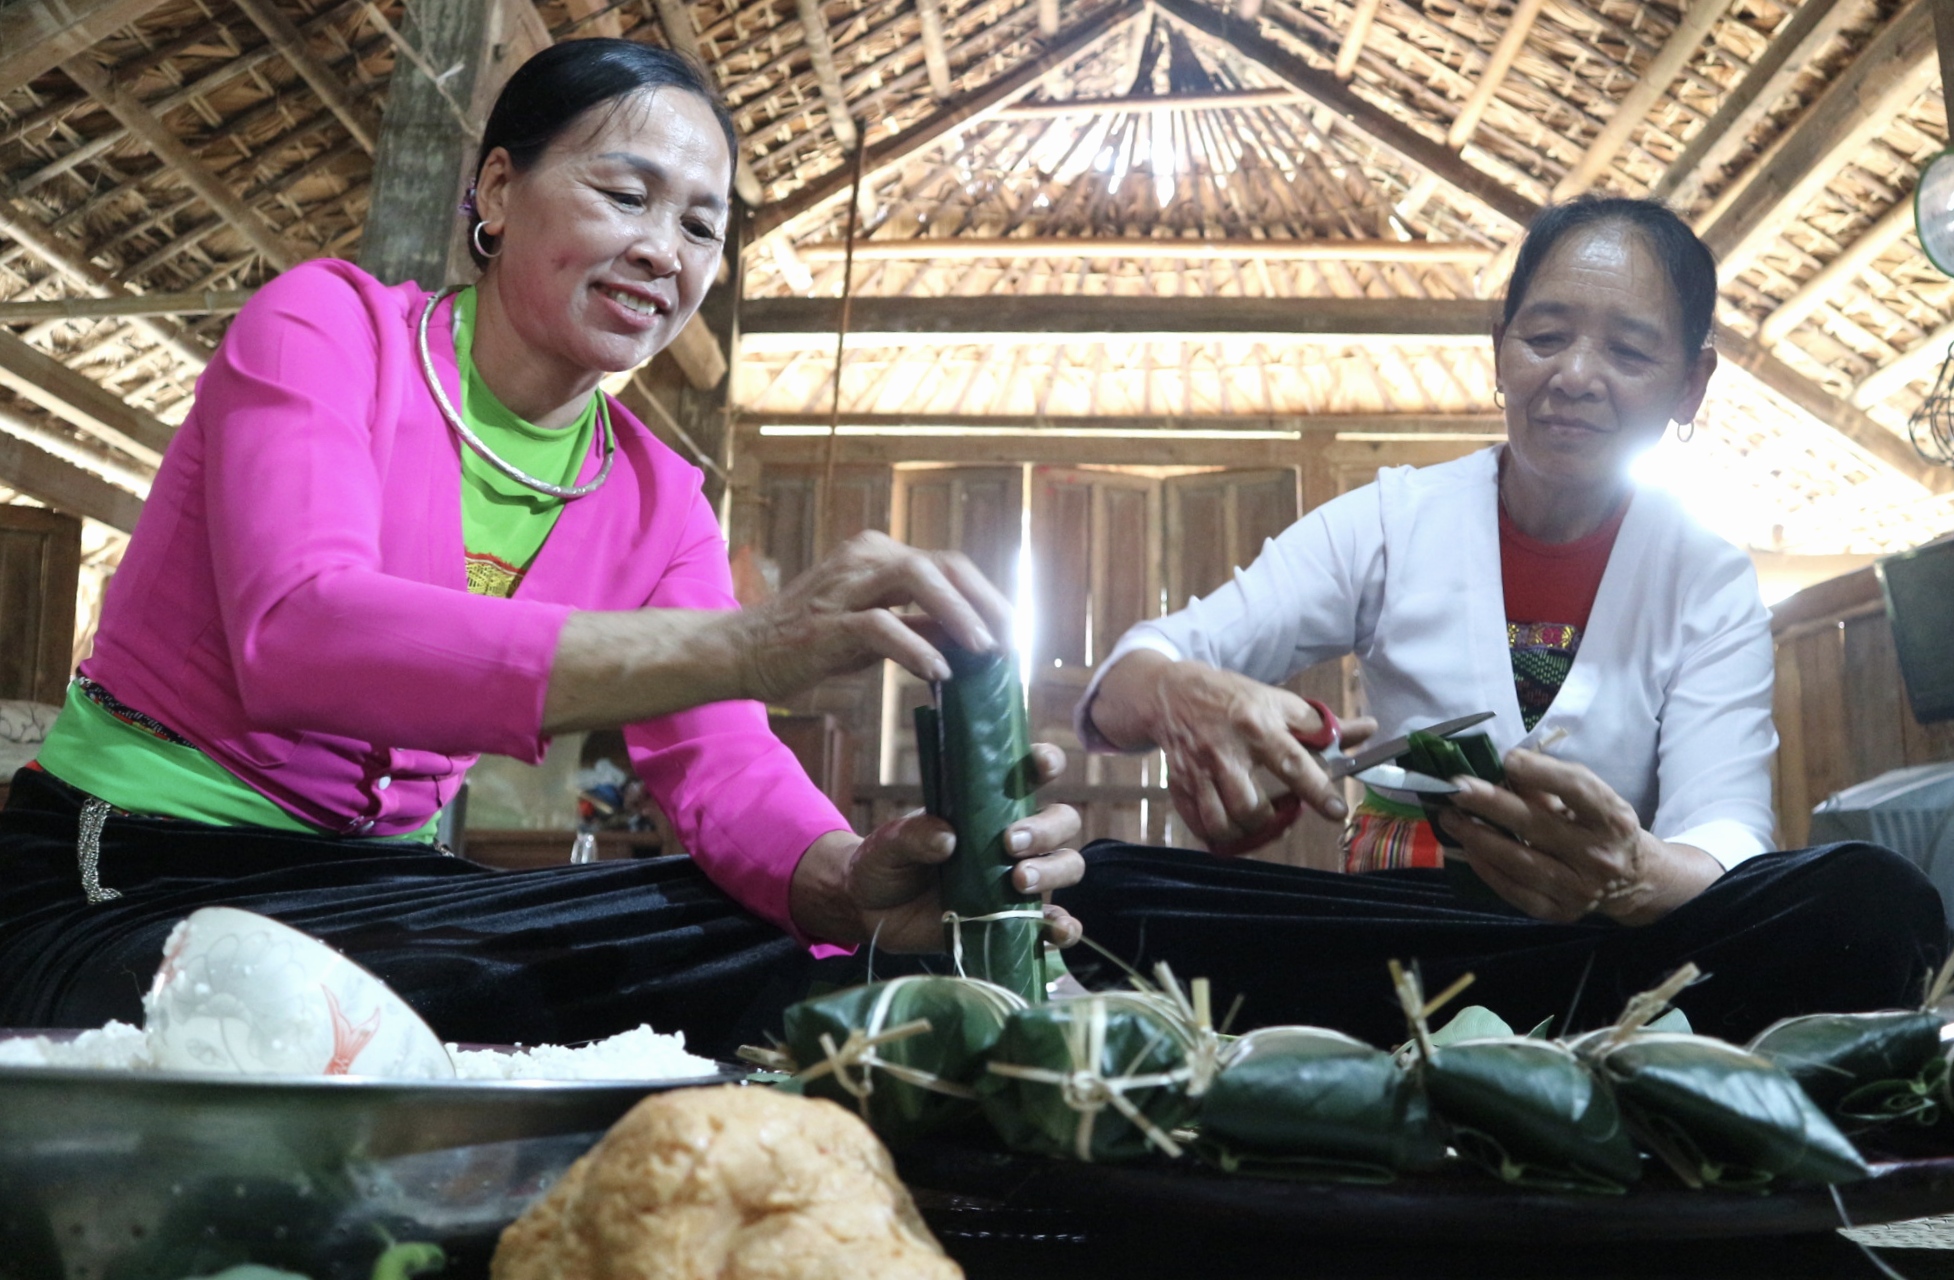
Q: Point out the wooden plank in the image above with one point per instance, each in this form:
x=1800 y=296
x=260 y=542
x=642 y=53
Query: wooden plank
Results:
x=1129 y=450
x=1893 y=70
x=973 y=107
x=699 y=353
x=1362 y=14
x=975 y=319
x=1794 y=804
x=40 y=568
x=1874 y=441
x=1820 y=656
x=1062 y=544
x=191 y=171
x=1649 y=88
x=1372 y=122
x=1342 y=425
x=1922 y=360
x=38 y=35
x=64 y=486
x=1493 y=74
x=821 y=52
x=1150 y=103
x=1048 y=20
x=936 y=51
x=1804 y=34
x=1892 y=227
x=287 y=39
x=1833 y=598
x=1148 y=248
x=426 y=156
x=82 y=401
x=120 y=306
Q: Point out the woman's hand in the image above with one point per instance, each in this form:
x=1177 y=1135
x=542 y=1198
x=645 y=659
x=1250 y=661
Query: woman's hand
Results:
x=1581 y=849
x=617 y=668
x=837 y=616
x=1216 y=728
x=849 y=889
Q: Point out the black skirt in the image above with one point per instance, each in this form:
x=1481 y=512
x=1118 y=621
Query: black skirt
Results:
x=555 y=955
x=1842 y=928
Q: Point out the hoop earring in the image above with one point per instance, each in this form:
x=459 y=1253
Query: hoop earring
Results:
x=475 y=238
x=1686 y=431
x=1499 y=397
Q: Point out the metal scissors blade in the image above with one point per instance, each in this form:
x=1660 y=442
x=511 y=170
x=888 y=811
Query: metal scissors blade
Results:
x=1341 y=766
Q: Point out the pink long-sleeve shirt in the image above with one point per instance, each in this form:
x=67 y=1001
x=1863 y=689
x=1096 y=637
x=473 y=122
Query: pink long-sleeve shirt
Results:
x=294 y=599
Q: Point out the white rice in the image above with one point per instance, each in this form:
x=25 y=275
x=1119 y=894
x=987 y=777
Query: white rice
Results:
x=642 y=1054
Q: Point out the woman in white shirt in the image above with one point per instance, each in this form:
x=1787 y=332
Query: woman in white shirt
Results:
x=1632 y=836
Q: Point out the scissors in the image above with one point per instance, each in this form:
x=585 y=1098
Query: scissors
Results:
x=1372 y=766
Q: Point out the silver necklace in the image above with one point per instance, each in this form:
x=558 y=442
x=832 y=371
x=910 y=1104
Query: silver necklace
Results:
x=488 y=455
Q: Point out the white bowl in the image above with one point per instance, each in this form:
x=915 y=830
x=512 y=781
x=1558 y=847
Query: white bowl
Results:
x=240 y=992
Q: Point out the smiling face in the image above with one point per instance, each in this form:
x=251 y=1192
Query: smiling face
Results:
x=610 y=240
x=1593 y=364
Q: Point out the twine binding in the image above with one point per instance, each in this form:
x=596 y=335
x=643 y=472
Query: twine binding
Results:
x=1087 y=1092
x=957 y=922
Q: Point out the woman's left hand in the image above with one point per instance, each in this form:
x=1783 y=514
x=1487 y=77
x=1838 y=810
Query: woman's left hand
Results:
x=850 y=889
x=1581 y=848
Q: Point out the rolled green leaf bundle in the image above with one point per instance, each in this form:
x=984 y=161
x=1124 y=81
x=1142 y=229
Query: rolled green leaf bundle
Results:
x=905 y=1054
x=1094 y=1078
x=1531 y=1113
x=1313 y=1102
x=1863 y=1067
x=976 y=763
x=1472 y=755
x=1718 y=1115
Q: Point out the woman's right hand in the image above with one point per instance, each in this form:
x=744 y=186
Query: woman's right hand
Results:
x=1215 y=728
x=837 y=617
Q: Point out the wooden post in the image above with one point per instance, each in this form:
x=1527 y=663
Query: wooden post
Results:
x=706 y=413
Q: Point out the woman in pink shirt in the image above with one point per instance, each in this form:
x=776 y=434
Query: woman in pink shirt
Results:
x=348 y=582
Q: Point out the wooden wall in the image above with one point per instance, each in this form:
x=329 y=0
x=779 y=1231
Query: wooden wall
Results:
x=40 y=566
x=1840 y=706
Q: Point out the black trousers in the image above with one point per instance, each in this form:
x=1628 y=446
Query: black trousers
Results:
x=555 y=955
x=1843 y=928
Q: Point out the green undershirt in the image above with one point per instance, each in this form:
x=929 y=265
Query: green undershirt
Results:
x=504 y=525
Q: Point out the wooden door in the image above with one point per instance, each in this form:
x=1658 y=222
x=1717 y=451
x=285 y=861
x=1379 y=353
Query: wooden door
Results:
x=1217 y=521
x=40 y=568
x=788 y=497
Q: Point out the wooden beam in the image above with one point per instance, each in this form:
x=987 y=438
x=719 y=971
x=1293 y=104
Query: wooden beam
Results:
x=1049 y=317
x=1798 y=41
x=1919 y=361
x=1892 y=227
x=1869 y=437
x=290 y=42
x=936 y=50
x=37 y=36
x=821 y=52
x=1633 y=110
x=190 y=170
x=208 y=302
x=421 y=170
x=971 y=108
x=1392 y=425
x=1048 y=18
x=1895 y=68
x=1493 y=74
x=1369 y=120
x=1141 y=103
x=63 y=485
x=71 y=262
x=699 y=353
x=1148 y=248
x=1135 y=450
x=80 y=400
x=1362 y=14
x=1248 y=10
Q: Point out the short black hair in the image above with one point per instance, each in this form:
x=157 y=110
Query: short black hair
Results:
x=1685 y=259
x=551 y=90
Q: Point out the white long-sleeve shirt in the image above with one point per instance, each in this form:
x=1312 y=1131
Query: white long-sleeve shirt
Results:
x=1668 y=700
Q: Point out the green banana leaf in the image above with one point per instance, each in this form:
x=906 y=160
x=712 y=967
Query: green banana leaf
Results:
x=981 y=781
x=1531 y=1113
x=912 y=1084
x=1862 y=1067
x=1097 y=1077
x=1470 y=754
x=1311 y=1102
x=1720 y=1116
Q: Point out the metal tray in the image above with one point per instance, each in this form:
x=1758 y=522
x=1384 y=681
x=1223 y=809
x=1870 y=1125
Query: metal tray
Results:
x=156 y=1176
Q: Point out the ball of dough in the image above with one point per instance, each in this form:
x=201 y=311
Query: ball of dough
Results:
x=732 y=1183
